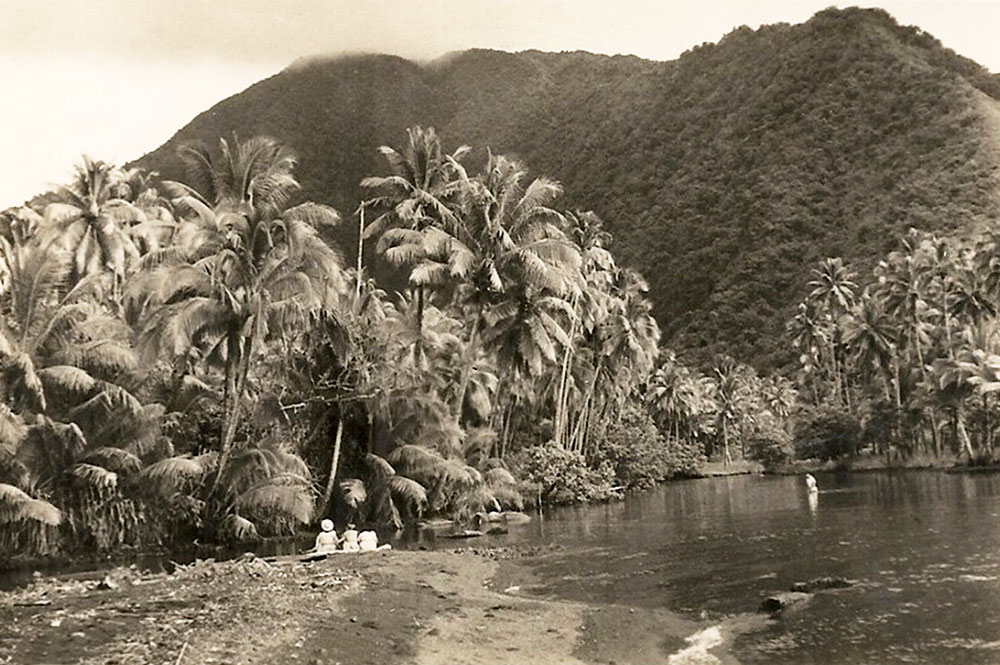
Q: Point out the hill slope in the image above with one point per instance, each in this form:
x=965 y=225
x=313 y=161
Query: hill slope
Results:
x=724 y=175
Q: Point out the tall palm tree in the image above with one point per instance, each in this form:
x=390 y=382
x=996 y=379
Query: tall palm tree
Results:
x=902 y=287
x=832 y=295
x=250 y=270
x=415 y=200
x=505 y=240
x=93 y=222
x=731 y=391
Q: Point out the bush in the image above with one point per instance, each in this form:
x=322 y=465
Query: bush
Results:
x=771 y=445
x=635 y=450
x=770 y=452
x=827 y=434
x=557 y=475
x=641 y=456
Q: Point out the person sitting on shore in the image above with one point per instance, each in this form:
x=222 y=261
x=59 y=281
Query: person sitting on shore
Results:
x=368 y=541
x=351 y=543
x=326 y=540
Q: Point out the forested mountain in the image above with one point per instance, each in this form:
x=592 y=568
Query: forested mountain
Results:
x=723 y=176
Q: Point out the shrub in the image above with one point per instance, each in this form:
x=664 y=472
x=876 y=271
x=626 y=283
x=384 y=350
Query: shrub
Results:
x=557 y=475
x=770 y=452
x=640 y=455
x=770 y=445
x=827 y=434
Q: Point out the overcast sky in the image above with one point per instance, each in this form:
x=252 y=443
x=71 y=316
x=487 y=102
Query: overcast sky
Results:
x=116 y=78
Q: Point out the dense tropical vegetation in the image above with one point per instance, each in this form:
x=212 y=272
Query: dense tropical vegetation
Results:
x=194 y=359
x=906 y=361
x=723 y=175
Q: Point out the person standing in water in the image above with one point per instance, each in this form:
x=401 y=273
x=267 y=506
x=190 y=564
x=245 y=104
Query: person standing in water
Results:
x=811 y=483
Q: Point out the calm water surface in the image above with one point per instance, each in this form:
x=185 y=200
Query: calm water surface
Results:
x=923 y=548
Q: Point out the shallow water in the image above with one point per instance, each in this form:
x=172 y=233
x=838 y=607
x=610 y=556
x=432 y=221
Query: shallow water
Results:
x=922 y=547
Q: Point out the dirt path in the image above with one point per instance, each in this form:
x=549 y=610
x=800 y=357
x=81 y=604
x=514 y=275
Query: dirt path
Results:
x=424 y=608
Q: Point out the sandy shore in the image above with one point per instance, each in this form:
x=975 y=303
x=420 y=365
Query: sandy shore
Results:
x=426 y=608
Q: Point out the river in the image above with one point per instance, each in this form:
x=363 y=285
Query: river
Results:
x=922 y=548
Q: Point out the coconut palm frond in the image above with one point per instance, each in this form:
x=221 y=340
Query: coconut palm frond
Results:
x=291 y=500
x=457 y=473
x=22 y=381
x=114 y=459
x=107 y=356
x=96 y=476
x=416 y=460
x=17 y=506
x=408 y=490
x=355 y=492
x=239 y=528
x=314 y=214
x=68 y=380
x=498 y=477
x=168 y=475
x=12 y=429
x=379 y=465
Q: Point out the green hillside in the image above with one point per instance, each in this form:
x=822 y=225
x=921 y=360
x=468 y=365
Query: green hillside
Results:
x=724 y=175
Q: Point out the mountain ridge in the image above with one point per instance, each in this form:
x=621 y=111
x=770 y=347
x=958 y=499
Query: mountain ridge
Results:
x=724 y=175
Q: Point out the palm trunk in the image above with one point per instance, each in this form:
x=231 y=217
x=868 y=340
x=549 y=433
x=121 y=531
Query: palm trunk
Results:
x=328 y=492
x=963 y=435
x=361 y=246
x=727 y=460
x=988 y=425
x=466 y=369
x=923 y=375
x=580 y=430
x=562 y=399
x=835 y=371
x=236 y=380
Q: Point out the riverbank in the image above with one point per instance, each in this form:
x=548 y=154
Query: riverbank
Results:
x=389 y=607
x=856 y=464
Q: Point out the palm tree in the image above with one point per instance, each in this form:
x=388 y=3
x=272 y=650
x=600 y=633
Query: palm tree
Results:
x=416 y=199
x=68 y=366
x=731 y=380
x=93 y=223
x=249 y=270
x=902 y=287
x=832 y=295
x=504 y=240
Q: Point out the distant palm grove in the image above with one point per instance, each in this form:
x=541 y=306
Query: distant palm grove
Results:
x=197 y=359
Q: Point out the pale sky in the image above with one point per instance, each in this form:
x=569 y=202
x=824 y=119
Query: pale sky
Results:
x=116 y=78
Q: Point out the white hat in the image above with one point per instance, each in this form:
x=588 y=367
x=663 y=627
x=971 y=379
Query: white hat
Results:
x=326 y=525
